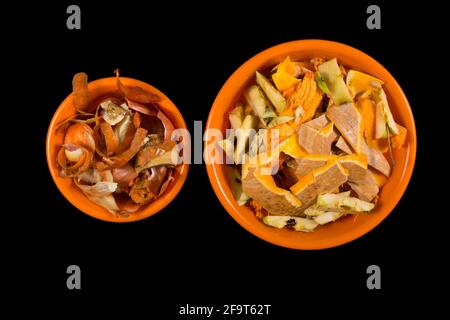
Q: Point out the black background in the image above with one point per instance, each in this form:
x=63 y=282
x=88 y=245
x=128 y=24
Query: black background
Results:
x=193 y=251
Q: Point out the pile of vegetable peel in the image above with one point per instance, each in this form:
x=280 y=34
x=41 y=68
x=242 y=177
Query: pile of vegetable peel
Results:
x=336 y=135
x=118 y=150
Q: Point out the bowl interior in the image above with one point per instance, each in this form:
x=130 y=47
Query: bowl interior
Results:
x=97 y=89
x=347 y=228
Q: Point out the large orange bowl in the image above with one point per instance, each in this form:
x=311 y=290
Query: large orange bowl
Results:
x=345 y=229
x=97 y=89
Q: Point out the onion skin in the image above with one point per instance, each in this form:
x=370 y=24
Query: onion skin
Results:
x=124 y=176
x=73 y=153
x=99 y=149
x=80 y=134
x=136 y=93
x=168 y=125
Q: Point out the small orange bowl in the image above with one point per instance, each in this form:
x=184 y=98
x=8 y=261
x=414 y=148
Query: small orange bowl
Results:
x=97 y=89
x=345 y=229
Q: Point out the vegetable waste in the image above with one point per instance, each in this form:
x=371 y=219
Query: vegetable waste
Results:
x=335 y=139
x=118 y=149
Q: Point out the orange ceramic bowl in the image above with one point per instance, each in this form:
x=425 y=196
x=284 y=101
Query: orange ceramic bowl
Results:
x=345 y=229
x=97 y=89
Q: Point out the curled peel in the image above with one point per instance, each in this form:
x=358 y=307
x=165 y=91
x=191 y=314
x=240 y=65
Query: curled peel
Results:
x=80 y=90
x=99 y=147
x=136 y=93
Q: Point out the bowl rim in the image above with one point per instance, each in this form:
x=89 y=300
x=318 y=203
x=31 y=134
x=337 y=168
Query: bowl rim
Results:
x=231 y=206
x=151 y=208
